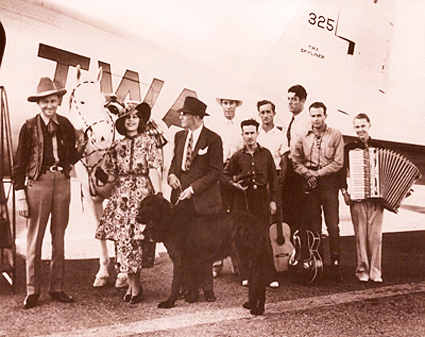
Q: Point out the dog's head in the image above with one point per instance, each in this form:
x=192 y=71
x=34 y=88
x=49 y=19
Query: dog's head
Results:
x=153 y=208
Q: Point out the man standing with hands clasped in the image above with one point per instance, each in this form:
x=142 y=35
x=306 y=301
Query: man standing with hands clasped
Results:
x=46 y=150
x=196 y=169
x=318 y=156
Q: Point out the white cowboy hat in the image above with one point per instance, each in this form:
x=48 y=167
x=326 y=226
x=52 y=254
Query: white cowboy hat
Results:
x=238 y=101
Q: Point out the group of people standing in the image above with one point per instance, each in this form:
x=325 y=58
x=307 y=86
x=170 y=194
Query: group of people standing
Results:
x=246 y=166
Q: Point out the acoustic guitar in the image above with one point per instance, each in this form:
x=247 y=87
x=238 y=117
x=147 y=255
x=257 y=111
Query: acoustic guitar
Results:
x=280 y=234
x=306 y=268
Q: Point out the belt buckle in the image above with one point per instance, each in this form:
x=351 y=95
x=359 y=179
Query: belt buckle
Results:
x=55 y=168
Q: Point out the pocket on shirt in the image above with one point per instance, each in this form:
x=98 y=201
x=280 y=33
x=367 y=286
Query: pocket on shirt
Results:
x=329 y=153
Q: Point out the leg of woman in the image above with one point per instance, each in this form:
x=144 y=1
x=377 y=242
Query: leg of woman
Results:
x=137 y=292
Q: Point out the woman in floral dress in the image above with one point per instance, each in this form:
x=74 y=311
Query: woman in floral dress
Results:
x=131 y=158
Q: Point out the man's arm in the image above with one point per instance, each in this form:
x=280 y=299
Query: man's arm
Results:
x=275 y=197
x=342 y=176
x=173 y=180
x=19 y=171
x=298 y=158
x=21 y=159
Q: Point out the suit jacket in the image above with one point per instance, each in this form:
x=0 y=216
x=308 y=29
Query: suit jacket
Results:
x=205 y=170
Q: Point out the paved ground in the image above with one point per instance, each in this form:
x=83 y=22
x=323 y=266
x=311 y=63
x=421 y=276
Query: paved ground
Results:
x=394 y=308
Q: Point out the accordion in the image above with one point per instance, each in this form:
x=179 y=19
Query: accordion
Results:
x=382 y=174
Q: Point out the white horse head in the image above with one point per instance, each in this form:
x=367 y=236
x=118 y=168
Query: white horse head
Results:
x=89 y=115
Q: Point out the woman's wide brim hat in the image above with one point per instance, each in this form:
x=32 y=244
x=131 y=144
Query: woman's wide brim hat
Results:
x=194 y=106
x=238 y=101
x=45 y=88
x=144 y=112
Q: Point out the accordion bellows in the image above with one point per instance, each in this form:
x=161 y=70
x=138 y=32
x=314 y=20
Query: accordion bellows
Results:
x=382 y=174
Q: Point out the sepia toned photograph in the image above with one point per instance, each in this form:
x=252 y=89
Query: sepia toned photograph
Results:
x=212 y=168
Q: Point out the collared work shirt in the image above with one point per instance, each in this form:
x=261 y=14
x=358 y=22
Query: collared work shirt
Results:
x=256 y=170
x=324 y=154
x=274 y=140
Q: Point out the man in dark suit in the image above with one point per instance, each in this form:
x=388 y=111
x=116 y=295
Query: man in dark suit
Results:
x=196 y=169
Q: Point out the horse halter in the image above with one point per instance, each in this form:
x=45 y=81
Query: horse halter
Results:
x=88 y=126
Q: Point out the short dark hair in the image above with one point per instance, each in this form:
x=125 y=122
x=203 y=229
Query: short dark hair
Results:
x=299 y=91
x=318 y=105
x=362 y=115
x=248 y=122
x=264 y=102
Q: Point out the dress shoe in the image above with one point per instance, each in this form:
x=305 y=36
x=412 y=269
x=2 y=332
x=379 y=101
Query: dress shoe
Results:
x=127 y=298
x=364 y=278
x=31 y=301
x=245 y=283
x=377 y=280
x=60 y=296
x=336 y=272
x=137 y=298
x=209 y=296
x=274 y=284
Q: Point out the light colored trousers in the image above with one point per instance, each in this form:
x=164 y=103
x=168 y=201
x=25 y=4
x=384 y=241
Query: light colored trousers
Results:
x=367 y=216
x=49 y=195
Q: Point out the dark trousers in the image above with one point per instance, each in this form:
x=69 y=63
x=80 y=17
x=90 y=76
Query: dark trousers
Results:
x=325 y=196
x=204 y=277
x=257 y=202
x=293 y=200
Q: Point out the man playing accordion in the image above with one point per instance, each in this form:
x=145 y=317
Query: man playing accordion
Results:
x=367 y=214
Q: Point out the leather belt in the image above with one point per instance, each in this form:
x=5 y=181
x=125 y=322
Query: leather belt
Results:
x=314 y=168
x=55 y=168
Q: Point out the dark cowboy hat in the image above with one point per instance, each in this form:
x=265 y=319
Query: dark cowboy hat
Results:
x=194 y=106
x=144 y=113
x=45 y=88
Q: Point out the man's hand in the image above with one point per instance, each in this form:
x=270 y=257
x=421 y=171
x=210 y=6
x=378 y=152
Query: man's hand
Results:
x=186 y=194
x=174 y=182
x=22 y=204
x=312 y=182
x=347 y=198
x=82 y=143
x=273 y=208
x=238 y=186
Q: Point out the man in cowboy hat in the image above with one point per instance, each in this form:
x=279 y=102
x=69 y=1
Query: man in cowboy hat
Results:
x=196 y=169
x=46 y=150
x=228 y=129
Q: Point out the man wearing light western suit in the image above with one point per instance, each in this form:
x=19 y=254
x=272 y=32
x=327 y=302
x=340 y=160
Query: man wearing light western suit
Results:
x=196 y=169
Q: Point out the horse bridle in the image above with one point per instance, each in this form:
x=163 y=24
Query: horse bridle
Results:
x=89 y=127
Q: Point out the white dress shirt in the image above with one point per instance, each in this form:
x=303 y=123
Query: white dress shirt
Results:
x=299 y=127
x=275 y=141
x=196 y=135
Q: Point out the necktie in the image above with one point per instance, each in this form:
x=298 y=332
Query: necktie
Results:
x=288 y=133
x=189 y=152
x=51 y=127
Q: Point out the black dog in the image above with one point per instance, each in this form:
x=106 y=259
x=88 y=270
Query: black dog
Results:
x=195 y=241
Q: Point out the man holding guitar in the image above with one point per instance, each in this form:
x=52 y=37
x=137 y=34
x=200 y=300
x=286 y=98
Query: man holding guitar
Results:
x=272 y=138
